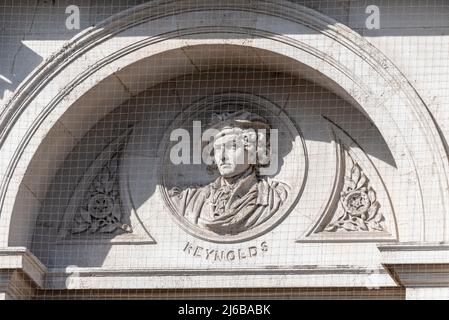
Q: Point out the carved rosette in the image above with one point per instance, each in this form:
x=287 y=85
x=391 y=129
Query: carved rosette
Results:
x=100 y=211
x=358 y=208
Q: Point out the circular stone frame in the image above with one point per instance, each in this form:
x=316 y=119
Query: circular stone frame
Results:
x=297 y=171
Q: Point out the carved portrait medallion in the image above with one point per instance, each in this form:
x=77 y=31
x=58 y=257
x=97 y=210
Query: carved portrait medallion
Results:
x=233 y=167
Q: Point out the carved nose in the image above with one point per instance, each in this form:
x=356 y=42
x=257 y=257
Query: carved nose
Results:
x=223 y=153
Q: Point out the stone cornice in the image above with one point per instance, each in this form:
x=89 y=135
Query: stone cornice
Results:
x=20 y=259
x=417 y=265
x=408 y=264
x=291 y=277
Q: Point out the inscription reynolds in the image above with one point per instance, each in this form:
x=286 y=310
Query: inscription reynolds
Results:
x=225 y=255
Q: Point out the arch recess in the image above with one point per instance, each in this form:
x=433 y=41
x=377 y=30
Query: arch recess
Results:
x=325 y=51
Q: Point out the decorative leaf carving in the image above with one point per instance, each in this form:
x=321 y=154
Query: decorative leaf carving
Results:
x=361 y=224
x=350 y=184
x=94 y=226
x=85 y=215
x=362 y=181
x=359 y=209
x=355 y=174
x=80 y=227
x=348 y=226
x=108 y=228
x=101 y=211
x=98 y=186
x=331 y=228
x=373 y=211
x=378 y=218
x=372 y=195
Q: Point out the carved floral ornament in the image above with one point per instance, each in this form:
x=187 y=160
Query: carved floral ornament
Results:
x=358 y=208
x=100 y=212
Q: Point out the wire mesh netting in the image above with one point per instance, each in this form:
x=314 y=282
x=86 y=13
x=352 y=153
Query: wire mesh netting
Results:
x=238 y=149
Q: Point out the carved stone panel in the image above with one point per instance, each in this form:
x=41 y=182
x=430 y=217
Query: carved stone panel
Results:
x=97 y=211
x=358 y=208
x=224 y=201
x=153 y=193
x=229 y=202
x=101 y=211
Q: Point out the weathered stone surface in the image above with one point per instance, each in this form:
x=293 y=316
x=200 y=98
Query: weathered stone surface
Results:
x=88 y=185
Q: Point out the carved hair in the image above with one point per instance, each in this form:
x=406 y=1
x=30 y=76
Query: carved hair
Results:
x=239 y=119
x=255 y=132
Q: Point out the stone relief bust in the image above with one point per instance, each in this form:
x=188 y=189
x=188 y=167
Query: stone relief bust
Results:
x=240 y=198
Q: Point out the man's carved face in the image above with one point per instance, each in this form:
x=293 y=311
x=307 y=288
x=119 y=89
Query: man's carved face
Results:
x=231 y=153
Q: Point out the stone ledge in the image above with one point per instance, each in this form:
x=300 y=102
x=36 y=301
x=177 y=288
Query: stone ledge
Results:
x=417 y=265
x=293 y=277
x=22 y=260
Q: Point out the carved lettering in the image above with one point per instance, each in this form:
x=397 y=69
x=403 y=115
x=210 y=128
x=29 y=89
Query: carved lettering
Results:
x=208 y=253
x=216 y=255
x=198 y=251
x=241 y=254
x=230 y=256
x=219 y=256
x=252 y=251
x=188 y=248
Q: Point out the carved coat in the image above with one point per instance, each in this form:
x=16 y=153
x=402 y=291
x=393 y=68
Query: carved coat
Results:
x=231 y=209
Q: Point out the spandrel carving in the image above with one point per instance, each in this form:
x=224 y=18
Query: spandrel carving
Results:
x=101 y=212
x=358 y=209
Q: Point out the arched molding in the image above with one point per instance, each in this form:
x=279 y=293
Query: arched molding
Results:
x=324 y=50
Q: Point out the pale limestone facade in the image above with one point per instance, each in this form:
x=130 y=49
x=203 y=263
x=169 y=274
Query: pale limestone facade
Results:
x=362 y=114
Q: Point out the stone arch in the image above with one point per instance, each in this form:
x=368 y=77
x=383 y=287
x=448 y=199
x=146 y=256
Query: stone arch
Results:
x=323 y=49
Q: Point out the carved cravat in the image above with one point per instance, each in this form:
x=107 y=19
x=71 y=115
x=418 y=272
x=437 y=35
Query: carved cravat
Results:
x=221 y=199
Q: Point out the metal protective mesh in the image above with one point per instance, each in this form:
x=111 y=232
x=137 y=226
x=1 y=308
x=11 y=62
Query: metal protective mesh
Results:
x=89 y=171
